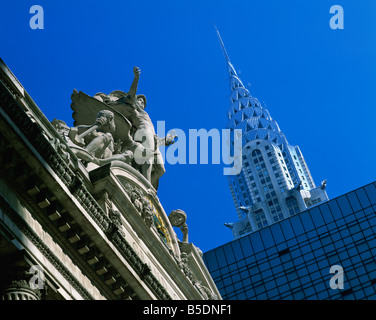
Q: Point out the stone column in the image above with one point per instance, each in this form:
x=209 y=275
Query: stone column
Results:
x=15 y=286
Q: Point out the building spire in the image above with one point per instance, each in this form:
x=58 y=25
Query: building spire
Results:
x=230 y=67
x=222 y=46
x=237 y=88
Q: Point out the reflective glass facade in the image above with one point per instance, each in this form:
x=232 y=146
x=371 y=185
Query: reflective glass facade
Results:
x=291 y=259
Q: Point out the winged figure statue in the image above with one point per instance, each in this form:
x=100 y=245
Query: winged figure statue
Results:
x=117 y=127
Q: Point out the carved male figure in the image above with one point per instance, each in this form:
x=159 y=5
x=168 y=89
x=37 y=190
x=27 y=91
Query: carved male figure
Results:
x=132 y=106
x=99 y=141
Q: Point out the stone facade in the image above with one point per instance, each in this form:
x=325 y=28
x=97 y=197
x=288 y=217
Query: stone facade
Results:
x=73 y=231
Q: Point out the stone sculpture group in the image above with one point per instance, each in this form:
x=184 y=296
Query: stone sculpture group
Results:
x=116 y=127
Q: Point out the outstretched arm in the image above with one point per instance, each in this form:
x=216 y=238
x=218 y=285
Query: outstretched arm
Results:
x=167 y=140
x=133 y=88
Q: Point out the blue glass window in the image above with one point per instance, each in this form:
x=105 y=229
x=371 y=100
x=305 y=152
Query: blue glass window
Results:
x=305 y=279
x=267 y=238
x=229 y=253
x=307 y=257
x=359 y=214
x=256 y=242
x=299 y=295
x=264 y=266
x=334 y=259
x=322 y=229
x=237 y=250
x=241 y=296
x=292 y=276
x=260 y=255
x=259 y=289
x=292 y=242
x=273 y=294
x=371 y=192
x=360 y=270
x=281 y=280
x=221 y=257
x=274 y=262
x=254 y=270
x=316 y=244
x=363 y=198
x=284 y=288
x=296 y=253
x=350 y=218
x=235 y=278
x=302 y=238
x=277 y=269
x=270 y=252
x=329 y=248
x=344 y=205
x=369 y=291
x=244 y=274
x=302 y=272
x=309 y=291
x=241 y=264
x=327 y=215
x=229 y=289
x=250 y=260
x=336 y=212
x=359 y=294
x=316 y=217
x=307 y=221
x=298 y=261
x=322 y=295
x=211 y=260
x=340 y=222
x=287 y=230
x=319 y=252
x=224 y=271
x=285 y=257
x=250 y=293
x=354 y=229
x=270 y=285
x=320 y=287
x=297 y=226
x=227 y=282
x=246 y=246
x=354 y=201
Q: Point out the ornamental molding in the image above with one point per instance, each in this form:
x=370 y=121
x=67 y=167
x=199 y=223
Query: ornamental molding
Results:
x=43 y=248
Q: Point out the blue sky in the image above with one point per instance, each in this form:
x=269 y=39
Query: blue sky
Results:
x=317 y=83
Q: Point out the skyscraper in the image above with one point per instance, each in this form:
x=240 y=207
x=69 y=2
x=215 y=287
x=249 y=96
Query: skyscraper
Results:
x=275 y=181
x=324 y=253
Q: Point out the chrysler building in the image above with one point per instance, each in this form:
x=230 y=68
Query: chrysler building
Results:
x=275 y=181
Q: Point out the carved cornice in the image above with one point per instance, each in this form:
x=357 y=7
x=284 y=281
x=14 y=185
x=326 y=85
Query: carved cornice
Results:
x=42 y=247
